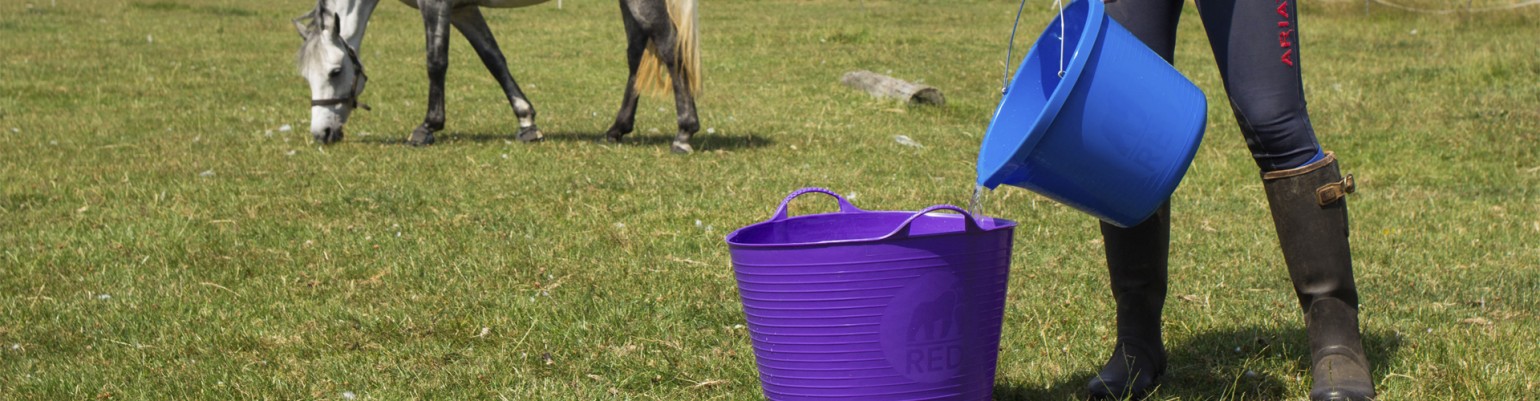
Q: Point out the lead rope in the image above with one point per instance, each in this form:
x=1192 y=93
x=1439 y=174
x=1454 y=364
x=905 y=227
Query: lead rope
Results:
x=1005 y=76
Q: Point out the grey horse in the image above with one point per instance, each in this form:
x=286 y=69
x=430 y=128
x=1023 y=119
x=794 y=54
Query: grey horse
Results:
x=660 y=34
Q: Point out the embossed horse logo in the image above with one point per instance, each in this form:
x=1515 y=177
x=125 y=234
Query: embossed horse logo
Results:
x=935 y=318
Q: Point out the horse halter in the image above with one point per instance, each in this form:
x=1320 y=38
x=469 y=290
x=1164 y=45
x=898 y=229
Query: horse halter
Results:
x=351 y=99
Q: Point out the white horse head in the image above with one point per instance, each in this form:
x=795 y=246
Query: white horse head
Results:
x=332 y=68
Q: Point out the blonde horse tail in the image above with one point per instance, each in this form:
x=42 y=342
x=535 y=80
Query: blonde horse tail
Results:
x=650 y=75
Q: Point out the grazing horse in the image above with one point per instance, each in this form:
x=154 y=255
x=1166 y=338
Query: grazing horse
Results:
x=660 y=35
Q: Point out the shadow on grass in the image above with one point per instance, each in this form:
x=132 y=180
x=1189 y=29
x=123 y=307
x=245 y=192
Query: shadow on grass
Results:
x=1209 y=366
x=702 y=142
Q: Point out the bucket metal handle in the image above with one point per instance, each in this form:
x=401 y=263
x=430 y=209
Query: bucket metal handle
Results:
x=972 y=221
x=845 y=206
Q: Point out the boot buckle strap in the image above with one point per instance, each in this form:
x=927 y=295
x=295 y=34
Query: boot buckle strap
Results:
x=1335 y=191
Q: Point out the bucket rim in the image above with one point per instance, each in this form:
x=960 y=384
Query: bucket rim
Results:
x=985 y=224
x=1090 y=40
x=972 y=224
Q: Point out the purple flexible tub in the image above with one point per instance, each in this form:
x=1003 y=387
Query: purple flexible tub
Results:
x=874 y=305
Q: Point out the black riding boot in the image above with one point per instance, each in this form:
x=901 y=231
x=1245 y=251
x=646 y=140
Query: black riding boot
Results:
x=1310 y=213
x=1136 y=264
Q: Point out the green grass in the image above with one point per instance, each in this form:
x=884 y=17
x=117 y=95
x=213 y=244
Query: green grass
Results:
x=162 y=238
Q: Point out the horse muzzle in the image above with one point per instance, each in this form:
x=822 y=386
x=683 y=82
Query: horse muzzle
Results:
x=327 y=135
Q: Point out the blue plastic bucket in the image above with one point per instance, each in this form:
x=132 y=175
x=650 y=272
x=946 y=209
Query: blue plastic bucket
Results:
x=1113 y=137
x=874 y=305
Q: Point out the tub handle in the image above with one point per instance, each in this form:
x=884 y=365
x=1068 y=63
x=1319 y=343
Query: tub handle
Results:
x=845 y=206
x=971 y=221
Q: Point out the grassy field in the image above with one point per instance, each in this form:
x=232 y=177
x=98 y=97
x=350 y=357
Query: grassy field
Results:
x=165 y=235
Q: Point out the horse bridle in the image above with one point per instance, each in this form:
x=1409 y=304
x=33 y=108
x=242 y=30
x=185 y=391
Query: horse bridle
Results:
x=351 y=99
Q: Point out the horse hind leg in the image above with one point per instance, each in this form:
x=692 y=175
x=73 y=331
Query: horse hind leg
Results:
x=675 y=42
x=651 y=21
x=469 y=21
x=684 y=100
x=636 y=45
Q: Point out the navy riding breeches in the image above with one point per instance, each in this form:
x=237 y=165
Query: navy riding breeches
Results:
x=1256 y=44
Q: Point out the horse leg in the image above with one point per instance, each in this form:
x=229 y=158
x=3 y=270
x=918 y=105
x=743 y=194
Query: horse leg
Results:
x=636 y=44
x=653 y=18
x=469 y=21
x=684 y=101
x=435 y=18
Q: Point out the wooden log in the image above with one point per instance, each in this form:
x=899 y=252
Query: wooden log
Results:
x=885 y=86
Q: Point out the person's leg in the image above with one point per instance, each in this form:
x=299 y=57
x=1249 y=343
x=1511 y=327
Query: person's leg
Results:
x=1152 y=21
x=1256 y=45
x=1309 y=208
x=1136 y=256
x=1136 y=267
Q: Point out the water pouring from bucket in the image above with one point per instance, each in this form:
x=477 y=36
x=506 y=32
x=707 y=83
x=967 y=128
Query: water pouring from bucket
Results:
x=1111 y=136
x=975 y=204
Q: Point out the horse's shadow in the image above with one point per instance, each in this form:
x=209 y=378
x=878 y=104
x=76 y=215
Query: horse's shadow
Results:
x=702 y=142
x=1209 y=366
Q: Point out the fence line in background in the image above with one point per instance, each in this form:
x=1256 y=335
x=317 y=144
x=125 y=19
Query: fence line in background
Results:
x=1452 y=11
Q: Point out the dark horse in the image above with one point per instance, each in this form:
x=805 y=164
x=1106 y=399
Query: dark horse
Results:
x=660 y=34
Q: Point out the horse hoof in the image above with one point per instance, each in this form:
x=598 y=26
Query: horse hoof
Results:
x=420 y=137
x=682 y=148
x=329 y=136
x=612 y=137
x=530 y=134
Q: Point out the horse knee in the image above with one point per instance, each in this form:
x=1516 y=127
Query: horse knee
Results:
x=438 y=65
